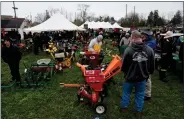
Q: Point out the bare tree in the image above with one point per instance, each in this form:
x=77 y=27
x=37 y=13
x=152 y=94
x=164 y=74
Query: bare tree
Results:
x=83 y=8
x=53 y=11
x=170 y=15
x=40 y=17
x=91 y=17
x=61 y=11
x=70 y=16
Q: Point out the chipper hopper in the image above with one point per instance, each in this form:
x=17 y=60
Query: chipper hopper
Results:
x=92 y=90
x=94 y=59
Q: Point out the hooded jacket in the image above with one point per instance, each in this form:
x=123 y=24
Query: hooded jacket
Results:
x=150 y=42
x=138 y=62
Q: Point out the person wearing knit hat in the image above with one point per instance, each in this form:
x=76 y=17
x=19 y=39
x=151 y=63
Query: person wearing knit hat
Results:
x=12 y=56
x=138 y=64
x=95 y=44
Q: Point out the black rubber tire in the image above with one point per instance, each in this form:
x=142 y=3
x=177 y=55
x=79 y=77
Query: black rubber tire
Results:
x=105 y=91
x=103 y=106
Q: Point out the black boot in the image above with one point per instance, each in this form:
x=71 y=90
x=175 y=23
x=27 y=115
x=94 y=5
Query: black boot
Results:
x=181 y=77
x=162 y=75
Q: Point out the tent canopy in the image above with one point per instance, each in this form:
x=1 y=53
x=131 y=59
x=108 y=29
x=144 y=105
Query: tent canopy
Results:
x=116 y=25
x=57 y=22
x=97 y=25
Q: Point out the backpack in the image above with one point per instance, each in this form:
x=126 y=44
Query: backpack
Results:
x=140 y=56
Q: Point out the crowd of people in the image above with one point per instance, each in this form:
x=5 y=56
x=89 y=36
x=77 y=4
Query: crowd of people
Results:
x=138 y=55
x=137 y=49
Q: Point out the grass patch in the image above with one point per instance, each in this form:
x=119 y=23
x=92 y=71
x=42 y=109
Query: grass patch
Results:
x=54 y=102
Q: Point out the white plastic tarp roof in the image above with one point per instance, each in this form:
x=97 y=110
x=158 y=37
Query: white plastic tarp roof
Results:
x=56 y=23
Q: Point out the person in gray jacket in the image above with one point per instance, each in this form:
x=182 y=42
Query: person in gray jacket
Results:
x=124 y=43
x=138 y=64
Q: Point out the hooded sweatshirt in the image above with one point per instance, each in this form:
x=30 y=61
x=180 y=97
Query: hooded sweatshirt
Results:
x=151 y=43
x=138 y=62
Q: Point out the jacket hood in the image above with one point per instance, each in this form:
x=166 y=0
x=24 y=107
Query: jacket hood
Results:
x=138 y=47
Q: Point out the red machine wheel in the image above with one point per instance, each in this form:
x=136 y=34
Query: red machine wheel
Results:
x=100 y=108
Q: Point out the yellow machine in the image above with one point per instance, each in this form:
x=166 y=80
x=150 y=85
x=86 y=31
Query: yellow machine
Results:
x=67 y=57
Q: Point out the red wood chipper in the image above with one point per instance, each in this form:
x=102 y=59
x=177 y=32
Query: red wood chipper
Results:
x=92 y=90
x=94 y=59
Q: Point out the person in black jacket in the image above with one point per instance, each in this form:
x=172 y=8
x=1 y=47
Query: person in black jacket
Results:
x=138 y=64
x=181 y=55
x=166 y=55
x=12 y=56
x=36 y=43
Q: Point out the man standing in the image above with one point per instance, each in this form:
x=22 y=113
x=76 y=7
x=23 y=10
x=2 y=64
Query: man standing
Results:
x=124 y=43
x=12 y=56
x=36 y=40
x=95 y=44
x=138 y=64
x=166 y=55
x=181 y=55
x=147 y=38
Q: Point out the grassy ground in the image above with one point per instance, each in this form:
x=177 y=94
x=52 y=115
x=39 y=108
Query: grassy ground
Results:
x=54 y=102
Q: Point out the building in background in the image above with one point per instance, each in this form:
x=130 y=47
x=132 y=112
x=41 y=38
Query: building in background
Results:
x=8 y=23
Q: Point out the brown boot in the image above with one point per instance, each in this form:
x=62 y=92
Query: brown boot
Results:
x=123 y=110
x=139 y=114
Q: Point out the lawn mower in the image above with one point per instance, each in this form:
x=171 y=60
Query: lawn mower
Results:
x=92 y=90
x=38 y=72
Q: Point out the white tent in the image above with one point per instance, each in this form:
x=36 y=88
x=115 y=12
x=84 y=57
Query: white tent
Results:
x=126 y=29
x=82 y=26
x=56 y=23
x=115 y=25
x=108 y=24
x=97 y=25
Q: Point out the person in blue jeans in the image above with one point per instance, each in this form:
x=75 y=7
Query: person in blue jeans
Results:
x=149 y=41
x=138 y=64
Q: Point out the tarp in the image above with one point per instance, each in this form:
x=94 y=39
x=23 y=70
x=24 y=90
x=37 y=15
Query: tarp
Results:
x=57 y=22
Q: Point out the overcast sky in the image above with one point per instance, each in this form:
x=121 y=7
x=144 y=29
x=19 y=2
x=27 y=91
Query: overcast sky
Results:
x=115 y=9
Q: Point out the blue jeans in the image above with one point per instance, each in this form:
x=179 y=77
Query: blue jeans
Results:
x=139 y=94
